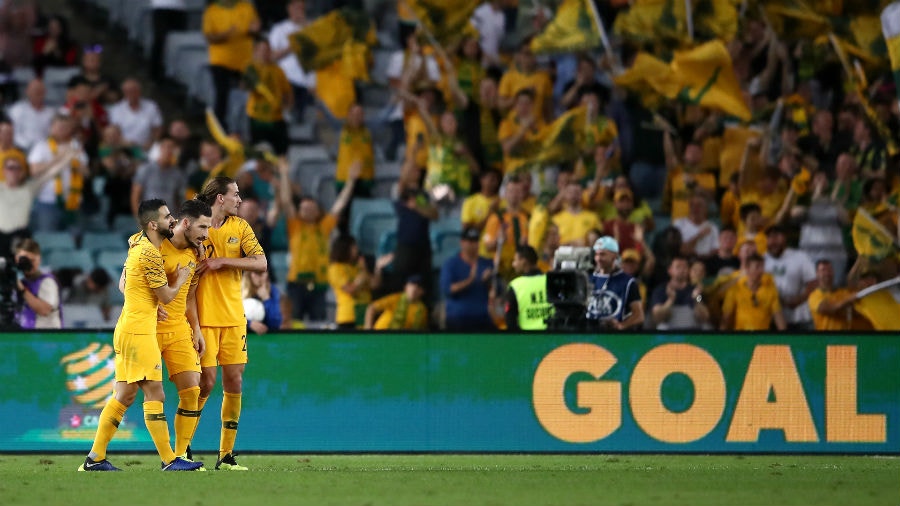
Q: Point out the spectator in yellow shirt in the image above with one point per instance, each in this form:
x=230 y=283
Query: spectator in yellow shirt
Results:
x=229 y=27
x=270 y=95
x=526 y=75
x=831 y=308
x=351 y=282
x=400 y=311
x=478 y=207
x=7 y=148
x=684 y=177
x=522 y=124
x=751 y=304
x=573 y=221
x=507 y=230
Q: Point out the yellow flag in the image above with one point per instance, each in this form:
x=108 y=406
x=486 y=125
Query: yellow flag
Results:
x=572 y=29
x=654 y=21
x=447 y=20
x=560 y=141
x=707 y=78
x=324 y=40
x=649 y=78
x=713 y=19
x=795 y=19
x=870 y=238
x=734 y=140
x=880 y=309
x=335 y=89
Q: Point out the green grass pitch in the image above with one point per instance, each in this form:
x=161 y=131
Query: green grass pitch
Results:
x=471 y=480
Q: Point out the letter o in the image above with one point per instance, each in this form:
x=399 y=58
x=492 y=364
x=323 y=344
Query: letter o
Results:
x=645 y=396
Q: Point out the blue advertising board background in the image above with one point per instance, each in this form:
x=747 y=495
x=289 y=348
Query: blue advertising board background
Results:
x=377 y=392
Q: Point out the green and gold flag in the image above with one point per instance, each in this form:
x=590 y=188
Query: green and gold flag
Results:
x=447 y=20
x=795 y=19
x=558 y=142
x=707 y=78
x=572 y=29
x=870 y=238
x=326 y=39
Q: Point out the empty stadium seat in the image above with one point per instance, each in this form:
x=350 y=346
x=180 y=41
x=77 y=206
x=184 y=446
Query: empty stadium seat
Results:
x=111 y=260
x=68 y=258
x=384 y=186
x=446 y=244
x=49 y=241
x=178 y=43
x=323 y=191
x=56 y=80
x=81 y=316
x=279 y=261
x=99 y=241
x=372 y=228
x=362 y=208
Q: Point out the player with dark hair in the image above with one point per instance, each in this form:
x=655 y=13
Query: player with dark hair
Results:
x=138 y=360
x=179 y=335
x=232 y=247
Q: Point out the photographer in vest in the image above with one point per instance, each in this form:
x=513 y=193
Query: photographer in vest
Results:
x=615 y=301
x=38 y=290
x=527 y=307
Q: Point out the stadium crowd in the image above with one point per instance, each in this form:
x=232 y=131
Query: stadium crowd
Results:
x=739 y=170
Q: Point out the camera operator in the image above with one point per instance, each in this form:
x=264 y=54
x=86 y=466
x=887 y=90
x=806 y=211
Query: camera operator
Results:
x=38 y=290
x=615 y=302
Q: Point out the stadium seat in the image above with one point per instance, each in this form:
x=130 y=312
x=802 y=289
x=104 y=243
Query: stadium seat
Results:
x=111 y=260
x=49 y=241
x=279 y=261
x=99 y=241
x=82 y=316
x=305 y=173
x=124 y=224
x=384 y=186
x=177 y=43
x=323 y=190
x=446 y=245
x=387 y=243
x=362 y=208
x=56 y=80
x=71 y=258
x=372 y=228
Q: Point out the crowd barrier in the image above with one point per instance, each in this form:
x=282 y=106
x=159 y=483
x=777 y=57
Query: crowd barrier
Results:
x=384 y=392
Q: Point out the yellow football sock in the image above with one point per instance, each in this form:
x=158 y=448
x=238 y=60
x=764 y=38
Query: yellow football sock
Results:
x=231 y=413
x=155 y=420
x=110 y=418
x=186 y=418
x=200 y=403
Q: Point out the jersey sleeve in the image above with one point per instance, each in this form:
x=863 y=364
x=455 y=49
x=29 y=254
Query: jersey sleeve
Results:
x=151 y=263
x=249 y=243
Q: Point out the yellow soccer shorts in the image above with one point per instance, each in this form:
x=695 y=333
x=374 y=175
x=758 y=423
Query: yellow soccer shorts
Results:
x=137 y=357
x=178 y=353
x=224 y=346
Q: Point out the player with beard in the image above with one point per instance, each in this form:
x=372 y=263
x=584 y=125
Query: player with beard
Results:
x=616 y=299
x=178 y=332
x=138 y=361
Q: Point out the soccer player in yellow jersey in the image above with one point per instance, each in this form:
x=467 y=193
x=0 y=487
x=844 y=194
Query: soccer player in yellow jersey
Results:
x=231 y=249
x=179 y=336
x=138 y=364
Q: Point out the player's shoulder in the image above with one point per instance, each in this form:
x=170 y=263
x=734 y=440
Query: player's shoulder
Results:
x=233 y=224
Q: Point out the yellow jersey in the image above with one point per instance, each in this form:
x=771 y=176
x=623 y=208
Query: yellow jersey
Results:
x=236 y=52
x=414 y=317
x=173 y=258
x=219 y=293
x=516 y=229
x=340 y=274
x=144 y=272
x=826 y=322
x=308 y=244
x=260 y=106
x=475 y=209
x=415 y=130
x=752 y=311
x=355 y=144
x=677 y=194
x=573 y=228
x=514 y=81
x=508 y=128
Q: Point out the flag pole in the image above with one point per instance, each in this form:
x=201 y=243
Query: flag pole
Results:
x=689 y=15
x=878 y=287
x=604 y=37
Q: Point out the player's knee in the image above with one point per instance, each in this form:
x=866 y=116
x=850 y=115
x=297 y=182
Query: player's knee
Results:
x=207 y=382
x=126 y=396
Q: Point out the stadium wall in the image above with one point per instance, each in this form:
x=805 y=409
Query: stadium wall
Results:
x=377 y=392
